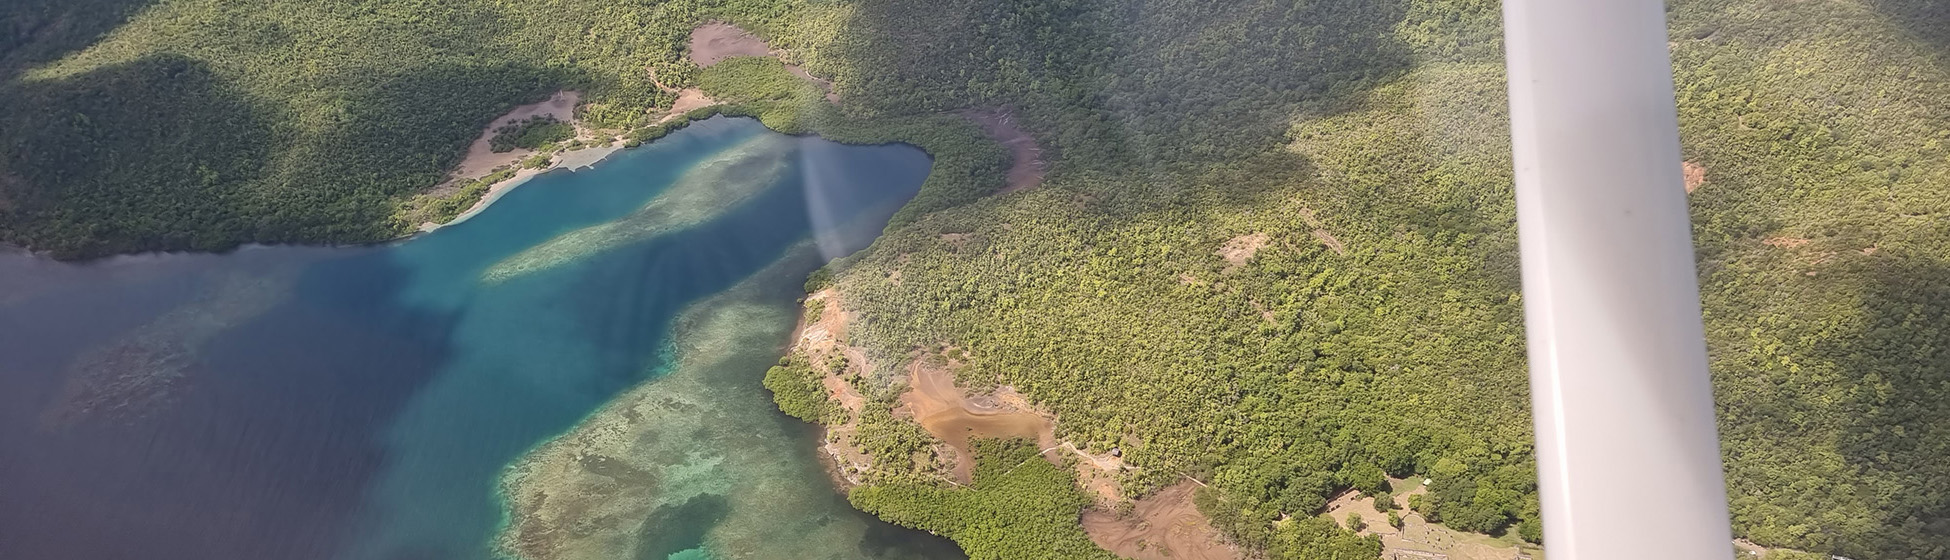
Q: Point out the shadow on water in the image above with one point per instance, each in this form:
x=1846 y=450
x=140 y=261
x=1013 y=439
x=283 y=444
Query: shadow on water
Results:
x=360 y=404
x=255 y=453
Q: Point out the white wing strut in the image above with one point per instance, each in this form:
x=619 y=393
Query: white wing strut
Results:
x=1627 y=455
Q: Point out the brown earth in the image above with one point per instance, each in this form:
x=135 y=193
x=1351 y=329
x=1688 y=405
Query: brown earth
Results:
x=958 y=240
x=1330 y=241
x=1240 y=250
x=688 y=99
x=716 y=42
x=1161 y=526
x=1695 y=175
x=945 y=411
x=821 y=342
x=481 y=158
x=1418 y=539
x=1026 y=167
x=1320 y=230
x=710 y=44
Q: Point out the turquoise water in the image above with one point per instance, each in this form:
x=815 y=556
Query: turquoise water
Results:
x=368 y=403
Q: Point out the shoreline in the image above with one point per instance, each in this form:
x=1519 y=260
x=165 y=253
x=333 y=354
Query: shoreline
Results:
x=564 y=160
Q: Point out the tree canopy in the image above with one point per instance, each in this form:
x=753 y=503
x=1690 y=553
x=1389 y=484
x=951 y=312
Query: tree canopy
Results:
x=1275 y=247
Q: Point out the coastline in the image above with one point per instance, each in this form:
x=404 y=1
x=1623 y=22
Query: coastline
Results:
x=834 y=452
x=710 y=43
x=567 y=160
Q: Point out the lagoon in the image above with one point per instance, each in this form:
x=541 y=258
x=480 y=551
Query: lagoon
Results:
x=395 y=402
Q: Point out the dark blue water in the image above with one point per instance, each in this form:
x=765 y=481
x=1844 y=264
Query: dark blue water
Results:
x=364 y=403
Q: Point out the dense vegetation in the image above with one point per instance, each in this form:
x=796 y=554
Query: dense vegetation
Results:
x=1378 y=325
x=33 y=32
x=1349 y=155
x=1823 y=243
x=532 y=133
x=1304 y=537
x=795 y=387
x=202 y=124
x=1020 y=506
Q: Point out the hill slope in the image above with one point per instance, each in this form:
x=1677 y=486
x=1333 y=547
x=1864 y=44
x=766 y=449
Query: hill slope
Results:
x=1274 y=248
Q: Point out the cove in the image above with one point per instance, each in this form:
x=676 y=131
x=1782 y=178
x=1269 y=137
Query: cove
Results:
x=573 y=373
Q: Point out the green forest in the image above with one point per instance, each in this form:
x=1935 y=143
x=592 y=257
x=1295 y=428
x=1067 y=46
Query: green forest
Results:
x=1348 y=157
x=1020 y=506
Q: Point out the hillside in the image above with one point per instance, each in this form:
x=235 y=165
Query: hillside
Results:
x=1274 y=248
x=1375 y=324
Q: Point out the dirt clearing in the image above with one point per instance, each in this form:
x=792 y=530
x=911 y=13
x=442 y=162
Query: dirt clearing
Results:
x=718 y=41
x=481 y=158
x=688 y=99
x=1240 y=250
x=1026 y=165
x=1418 y=539
x=715 y=42
x=1162 y=526
x=1695 y=175
x=945 y=411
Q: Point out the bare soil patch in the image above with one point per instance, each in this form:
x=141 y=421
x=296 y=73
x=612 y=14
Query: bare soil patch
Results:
x=1330 y=241
x=1418 y=539
x=1240 y=250
x=821 y=342
x=718 y=41
x=481 y=157
x=945 y=411
x=715 y=42
x=1026 y=167
x=1162 y=526
x=688 y=99
x=957 y=240
x=1695 y=175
